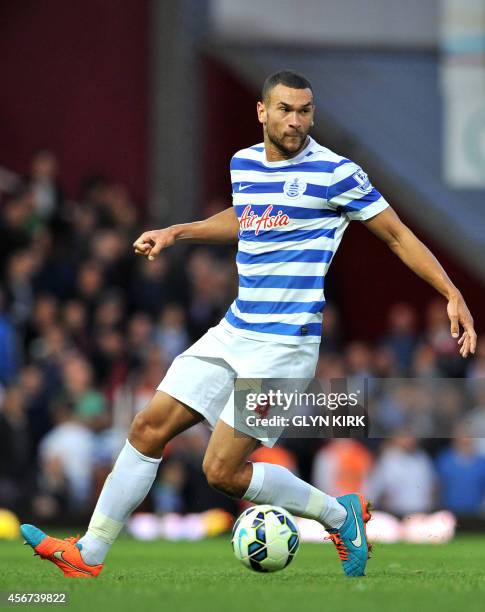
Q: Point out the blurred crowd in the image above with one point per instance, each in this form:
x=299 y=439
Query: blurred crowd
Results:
x=87 y=331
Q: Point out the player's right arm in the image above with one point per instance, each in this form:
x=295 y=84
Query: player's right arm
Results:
x=222 y=228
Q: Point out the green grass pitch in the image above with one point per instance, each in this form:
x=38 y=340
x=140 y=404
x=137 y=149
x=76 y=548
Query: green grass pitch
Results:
x=180 y=576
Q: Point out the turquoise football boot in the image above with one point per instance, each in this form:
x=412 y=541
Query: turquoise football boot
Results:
x=351 y=538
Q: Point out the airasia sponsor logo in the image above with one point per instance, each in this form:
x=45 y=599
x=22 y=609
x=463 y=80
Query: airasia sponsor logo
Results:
x=250 y=220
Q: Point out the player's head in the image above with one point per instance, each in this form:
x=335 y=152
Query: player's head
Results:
x=286 y=110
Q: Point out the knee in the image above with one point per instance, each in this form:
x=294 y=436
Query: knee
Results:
x=220 y=478
x=147 y=434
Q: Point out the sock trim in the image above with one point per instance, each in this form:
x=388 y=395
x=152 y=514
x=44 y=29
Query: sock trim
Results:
x=141 y=455
x=256 y=483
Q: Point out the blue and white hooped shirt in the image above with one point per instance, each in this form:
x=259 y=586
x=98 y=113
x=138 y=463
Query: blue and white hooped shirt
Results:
x=292 y=215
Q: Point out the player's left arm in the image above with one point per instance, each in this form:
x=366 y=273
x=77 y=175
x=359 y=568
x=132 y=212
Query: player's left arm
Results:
x=401 y=240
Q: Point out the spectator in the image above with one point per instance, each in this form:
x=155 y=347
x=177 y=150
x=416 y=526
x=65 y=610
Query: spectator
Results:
x=110 y=311
x=140 y=337
x=171 y=334
x=36 y=396
x=425 y=362
x=19 y=284
x=150 y=290
x=9 y=357
x=74 y=321
x=44 y=315
x=150 y=374
x=15 y=451
x=14 y=232
x=384 y=363
x=49 y=352
x=47 y=194
x=168 y=490
x=450 y=407
x=403 y=480
x=90 y=282
x=52 y=497
x=341 y=467
x=358 y=362
x=209 y=286
x=88 y=404
x=401 y=337
x=461 y=471
x=403 y=404
x=57 y=449
x=110 y=361
x=111 y=249
x=85 y=220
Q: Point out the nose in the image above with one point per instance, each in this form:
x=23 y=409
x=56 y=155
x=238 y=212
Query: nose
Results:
x=294 y=121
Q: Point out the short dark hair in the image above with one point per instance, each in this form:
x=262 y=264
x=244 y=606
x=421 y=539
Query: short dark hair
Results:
x=289 y=78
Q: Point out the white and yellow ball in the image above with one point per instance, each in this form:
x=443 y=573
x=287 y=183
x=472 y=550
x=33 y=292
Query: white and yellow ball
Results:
x=265 y=538
x=9 y=525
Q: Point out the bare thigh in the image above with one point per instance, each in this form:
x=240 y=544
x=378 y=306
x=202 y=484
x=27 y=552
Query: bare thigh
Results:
x=226 y=460
x=161 y=420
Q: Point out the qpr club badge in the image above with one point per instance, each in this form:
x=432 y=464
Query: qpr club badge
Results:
x=363 y=181
x=294 y=188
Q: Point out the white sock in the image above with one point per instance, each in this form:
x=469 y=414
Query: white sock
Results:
x=274 y=484
x=124 y=490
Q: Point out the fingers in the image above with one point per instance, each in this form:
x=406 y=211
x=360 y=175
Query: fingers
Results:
x=468 y=341
x=459 y=315
x=454 y=327
x=465 y=347
x=473 y=344
x=147 y=244
x=142 y=250
x=144 y=243
x=151 y=243
x=471 y=336
x=158 y=245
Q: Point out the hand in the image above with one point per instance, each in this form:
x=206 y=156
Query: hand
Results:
x=459 y=314
x=151 y=243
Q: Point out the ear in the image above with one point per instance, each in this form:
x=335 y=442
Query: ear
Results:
x=261 y=110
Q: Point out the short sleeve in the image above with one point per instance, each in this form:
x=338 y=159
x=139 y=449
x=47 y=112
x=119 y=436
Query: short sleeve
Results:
x=352 y=193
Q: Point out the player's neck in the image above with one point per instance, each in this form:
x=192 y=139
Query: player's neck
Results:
x=273 y=153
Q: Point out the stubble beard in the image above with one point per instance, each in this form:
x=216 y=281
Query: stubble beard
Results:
x=277 y=142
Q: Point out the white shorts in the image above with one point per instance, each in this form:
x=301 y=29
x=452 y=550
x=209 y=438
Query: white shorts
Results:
x=203 y=376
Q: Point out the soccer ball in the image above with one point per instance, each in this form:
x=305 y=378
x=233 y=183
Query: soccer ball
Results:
x=265 y=538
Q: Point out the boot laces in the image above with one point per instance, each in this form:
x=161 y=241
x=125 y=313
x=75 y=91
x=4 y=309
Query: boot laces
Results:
x=342 y=550
x=70 y=540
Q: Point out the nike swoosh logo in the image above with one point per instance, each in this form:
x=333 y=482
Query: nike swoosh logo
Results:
x=243 y=532
x=243 y=187
x=357 y=542
x=58 y=555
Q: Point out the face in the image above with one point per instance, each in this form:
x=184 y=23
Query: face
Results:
x=44 y=165
x=287 y=117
